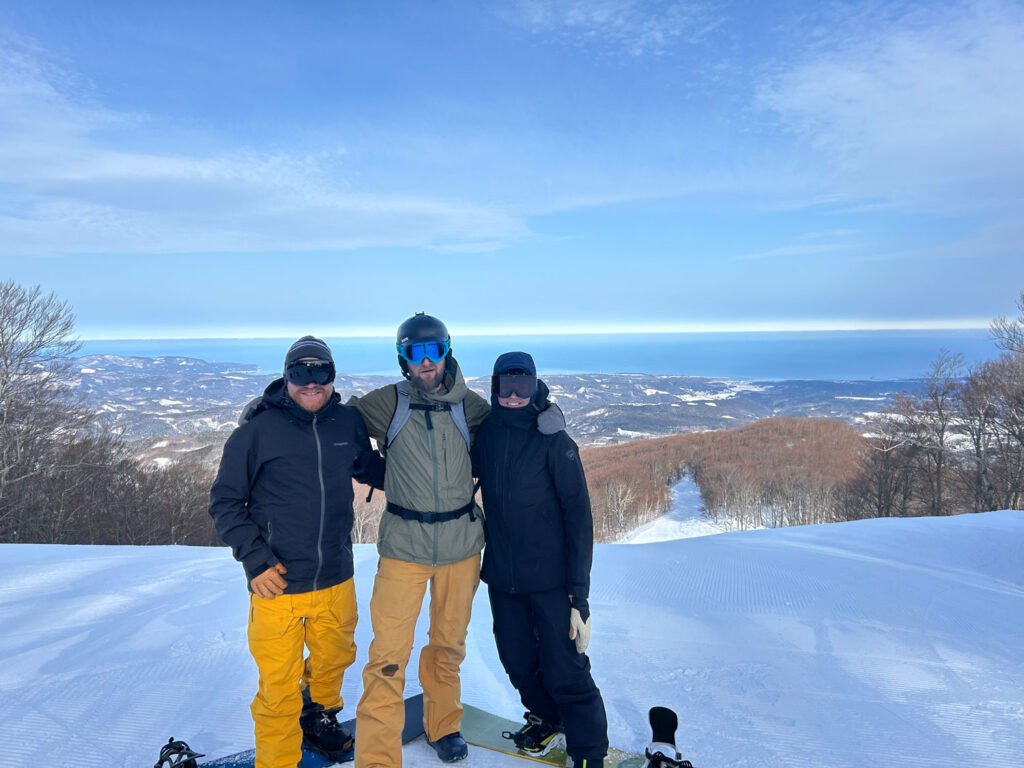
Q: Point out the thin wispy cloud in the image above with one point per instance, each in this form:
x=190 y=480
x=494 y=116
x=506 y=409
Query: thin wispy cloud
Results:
x=65 y=186
x=923 y=109
x=996 y=238
x=651 y=160
x=634 y=27
x=839 y=241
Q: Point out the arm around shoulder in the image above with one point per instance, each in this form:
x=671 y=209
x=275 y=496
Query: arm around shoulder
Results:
x=369 y=466
x=376 y=407
x=476 y=409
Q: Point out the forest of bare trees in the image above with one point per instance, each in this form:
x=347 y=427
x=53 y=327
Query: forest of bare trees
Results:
x=629 y=483
x=956 y=446
x=62 y=478
x=779 y=472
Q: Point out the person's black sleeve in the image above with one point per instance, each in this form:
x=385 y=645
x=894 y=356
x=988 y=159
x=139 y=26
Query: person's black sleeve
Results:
x=229 y=504
x=571 y=487
x=369 y=465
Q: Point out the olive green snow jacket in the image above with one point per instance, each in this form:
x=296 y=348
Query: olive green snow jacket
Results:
x=428 y=470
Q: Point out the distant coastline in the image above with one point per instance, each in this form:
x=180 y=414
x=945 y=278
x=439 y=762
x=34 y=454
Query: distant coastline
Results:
x=765 y=355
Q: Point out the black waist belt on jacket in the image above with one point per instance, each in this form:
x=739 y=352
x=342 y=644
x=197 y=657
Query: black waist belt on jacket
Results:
x=431 y=517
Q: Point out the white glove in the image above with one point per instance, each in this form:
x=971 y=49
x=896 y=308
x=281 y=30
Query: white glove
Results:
x=579 y=630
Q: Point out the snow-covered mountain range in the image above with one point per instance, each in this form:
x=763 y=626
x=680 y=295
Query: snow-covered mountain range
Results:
x=176 y=405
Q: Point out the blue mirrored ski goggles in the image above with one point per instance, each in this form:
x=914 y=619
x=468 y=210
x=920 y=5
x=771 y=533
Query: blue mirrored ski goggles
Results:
x=310 y=372
x=417 y=352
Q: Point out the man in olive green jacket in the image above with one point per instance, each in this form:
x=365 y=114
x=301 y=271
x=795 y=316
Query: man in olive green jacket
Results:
x=431 y=533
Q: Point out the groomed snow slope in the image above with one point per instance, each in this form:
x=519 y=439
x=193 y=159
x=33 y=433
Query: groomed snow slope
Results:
x=877 y=643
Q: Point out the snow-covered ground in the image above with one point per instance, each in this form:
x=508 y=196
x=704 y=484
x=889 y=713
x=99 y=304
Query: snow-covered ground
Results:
x=882 y=643
x=685 y=519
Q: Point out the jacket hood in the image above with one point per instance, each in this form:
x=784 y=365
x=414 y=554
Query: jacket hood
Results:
x=515 y=361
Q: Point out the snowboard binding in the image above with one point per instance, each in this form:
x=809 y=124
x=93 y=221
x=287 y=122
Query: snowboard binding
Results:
x=177 y=754
x=537 y=737
x=660 y=760
x=662 y=752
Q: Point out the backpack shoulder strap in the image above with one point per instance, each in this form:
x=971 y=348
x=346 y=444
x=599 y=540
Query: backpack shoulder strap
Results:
x=401 y=415
x=459 y=417
x=403 y=408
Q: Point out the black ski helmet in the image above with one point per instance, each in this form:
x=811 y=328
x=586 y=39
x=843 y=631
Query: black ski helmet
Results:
x=420 y=327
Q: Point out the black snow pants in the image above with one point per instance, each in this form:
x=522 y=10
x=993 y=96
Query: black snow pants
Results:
x=553 y=680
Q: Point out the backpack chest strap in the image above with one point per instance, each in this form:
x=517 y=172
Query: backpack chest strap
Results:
x=432 y=517
x=429 y=408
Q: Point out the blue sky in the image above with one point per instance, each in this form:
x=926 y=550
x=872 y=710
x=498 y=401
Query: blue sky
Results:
x=273 y=168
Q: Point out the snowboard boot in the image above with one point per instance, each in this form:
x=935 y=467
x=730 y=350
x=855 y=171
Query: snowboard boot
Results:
x=537 y=737
x=323 y=734
x=450 y=748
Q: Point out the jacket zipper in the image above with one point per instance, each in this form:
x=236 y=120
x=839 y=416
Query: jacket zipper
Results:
x=323 y=505
x=444 y=457
x=507 y=504
x=437 y=488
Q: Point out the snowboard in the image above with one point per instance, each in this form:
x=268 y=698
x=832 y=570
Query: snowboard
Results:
x=413 y=729
x=483 y=729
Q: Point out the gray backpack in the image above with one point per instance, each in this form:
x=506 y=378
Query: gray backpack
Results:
x=404 y=405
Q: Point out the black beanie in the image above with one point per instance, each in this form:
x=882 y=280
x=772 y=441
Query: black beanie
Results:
x=308 y=346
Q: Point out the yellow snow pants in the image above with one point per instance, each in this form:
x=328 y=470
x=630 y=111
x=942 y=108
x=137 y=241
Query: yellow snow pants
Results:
x=397 y=599
x=325 y=622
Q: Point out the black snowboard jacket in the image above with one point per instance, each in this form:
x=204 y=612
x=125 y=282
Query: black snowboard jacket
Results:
x=283 y=493
x=537 y=519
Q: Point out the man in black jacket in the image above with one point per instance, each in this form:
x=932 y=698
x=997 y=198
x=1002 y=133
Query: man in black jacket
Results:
x=540 y=540
x=282 y=500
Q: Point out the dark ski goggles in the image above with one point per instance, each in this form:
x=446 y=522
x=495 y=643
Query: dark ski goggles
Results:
x=522 y=385
x=310 y=372
x=418 y=351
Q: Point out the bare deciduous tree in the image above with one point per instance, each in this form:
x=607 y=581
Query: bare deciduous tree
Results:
x=62 y=479
x=366 y=515
x=976 y=410
x=929 y=420
x=1009 y=332
x=37 y=416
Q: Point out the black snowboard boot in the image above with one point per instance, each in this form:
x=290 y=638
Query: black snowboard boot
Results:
x=322 y=733
x=538 y=736
x=450 y=748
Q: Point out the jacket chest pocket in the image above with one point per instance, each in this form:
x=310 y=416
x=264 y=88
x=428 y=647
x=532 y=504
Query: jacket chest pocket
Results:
x=532 y=479
x=341 y=455
x=530 y=487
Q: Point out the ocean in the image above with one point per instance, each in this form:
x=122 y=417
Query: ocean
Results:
x=821 y=355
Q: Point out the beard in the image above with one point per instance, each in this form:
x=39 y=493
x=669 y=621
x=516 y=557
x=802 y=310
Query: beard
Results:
x=429 y=384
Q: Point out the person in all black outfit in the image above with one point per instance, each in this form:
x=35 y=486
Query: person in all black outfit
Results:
x=540 y=537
